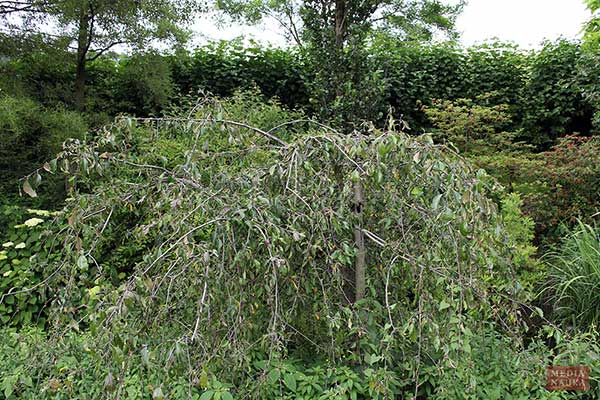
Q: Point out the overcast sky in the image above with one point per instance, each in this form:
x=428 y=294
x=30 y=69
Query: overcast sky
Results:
x=524 y=22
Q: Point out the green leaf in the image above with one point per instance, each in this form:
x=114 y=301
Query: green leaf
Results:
x=444 y=305
x=436 y=202
x=82 y=262
x=158 y=394
x=290 y=381
x=226 y=396
x=145 y=356
x=203 y=379
x=273 y=376
x=207 y=395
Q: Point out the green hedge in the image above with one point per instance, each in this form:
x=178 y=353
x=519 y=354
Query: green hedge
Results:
x=548 y=91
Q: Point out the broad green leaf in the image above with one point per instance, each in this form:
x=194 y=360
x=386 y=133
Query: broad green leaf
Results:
x=203 y=379
x=436 y=202
x=443 y=305
x=273 y=376
x=226 y=396
x=207 y=395
x=290 y=381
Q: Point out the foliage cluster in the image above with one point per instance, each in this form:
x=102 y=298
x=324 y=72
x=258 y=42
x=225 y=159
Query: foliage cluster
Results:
x=225 y=67
x=570 y=177
x=559 y=186
x=23 y=257
x=32 y=365
x=30 y=133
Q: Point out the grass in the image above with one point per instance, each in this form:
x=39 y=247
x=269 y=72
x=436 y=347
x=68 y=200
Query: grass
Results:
x=574 y=278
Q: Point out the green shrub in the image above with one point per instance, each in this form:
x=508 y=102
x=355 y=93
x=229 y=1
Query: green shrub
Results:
x=269 y=230
x=570 y=177
x=143 y=85
x=36 y=365
x=24 y=254
x=225 y=67
x=554 y=105
x=29 y=135
x=472 y=128
x=574 y=278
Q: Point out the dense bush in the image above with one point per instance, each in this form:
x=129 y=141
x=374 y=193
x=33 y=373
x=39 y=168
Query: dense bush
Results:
x=554 y=103
x=34 y=366
x=24 y=254
x=568 y=178
x=30 y=134
x=143 y=85
x=472 y=128
x=559 y=185
x=225 y=67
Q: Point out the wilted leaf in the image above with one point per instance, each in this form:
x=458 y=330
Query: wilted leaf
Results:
x=28 y=189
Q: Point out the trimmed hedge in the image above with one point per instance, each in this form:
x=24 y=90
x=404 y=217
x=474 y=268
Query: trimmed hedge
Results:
x=546 y=91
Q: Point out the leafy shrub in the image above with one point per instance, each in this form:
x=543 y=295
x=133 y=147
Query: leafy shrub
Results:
x=570 y=176
x=554 y=105
x=23 y=256
x=501 y=367
x=522 y=231
x=474 y=129
x=34 y=364
x=574 y=278
x=29 y=135
x=40 y=73
x=500 y=70
x=225 y=67
x=143 y=85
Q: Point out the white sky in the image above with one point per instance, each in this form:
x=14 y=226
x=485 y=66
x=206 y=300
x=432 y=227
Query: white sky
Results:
x=524 y=22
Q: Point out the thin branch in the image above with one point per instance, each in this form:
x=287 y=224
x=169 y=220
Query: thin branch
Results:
x=98 y=53
x=217 y=121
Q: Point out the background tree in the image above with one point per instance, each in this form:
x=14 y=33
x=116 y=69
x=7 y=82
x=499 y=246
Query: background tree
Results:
x=93 y=27
x=347 y=87
x=592 y=27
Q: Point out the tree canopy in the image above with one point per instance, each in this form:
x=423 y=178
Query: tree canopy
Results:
x=93 y=27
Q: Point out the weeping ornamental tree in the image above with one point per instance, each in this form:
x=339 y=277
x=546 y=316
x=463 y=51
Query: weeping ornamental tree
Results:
x=92 y=27
x=240 y=245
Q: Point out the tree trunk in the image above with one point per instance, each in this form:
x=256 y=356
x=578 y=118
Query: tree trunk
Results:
x=83 y=45
x=80 y=85
x=340 y=23
x=340 y=34
x=359 y=241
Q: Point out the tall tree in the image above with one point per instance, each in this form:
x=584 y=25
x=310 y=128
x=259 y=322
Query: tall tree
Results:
x=347 y=88
x=93 y=27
